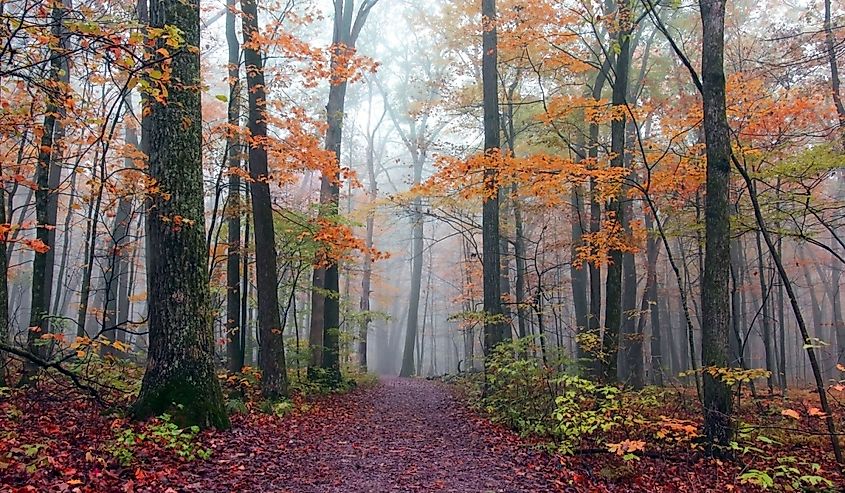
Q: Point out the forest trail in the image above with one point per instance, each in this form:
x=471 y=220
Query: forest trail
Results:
x=403 y=435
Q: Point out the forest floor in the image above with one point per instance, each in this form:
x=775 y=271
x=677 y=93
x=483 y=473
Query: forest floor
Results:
x=400 y=435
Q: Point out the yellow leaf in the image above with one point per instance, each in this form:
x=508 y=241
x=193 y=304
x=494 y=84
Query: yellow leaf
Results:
x=791 y=414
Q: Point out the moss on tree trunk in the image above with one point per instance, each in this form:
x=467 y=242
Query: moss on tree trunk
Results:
x=180 y=379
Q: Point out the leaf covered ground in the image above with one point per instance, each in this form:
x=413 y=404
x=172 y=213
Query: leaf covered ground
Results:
x=403 y=435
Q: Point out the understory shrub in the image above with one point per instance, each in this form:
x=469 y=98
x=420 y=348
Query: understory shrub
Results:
x=546 y=401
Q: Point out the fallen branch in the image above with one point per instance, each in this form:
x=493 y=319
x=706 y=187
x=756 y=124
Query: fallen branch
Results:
x=55 y=365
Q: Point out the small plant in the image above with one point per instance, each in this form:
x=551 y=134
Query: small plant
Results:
x=33 y=455
x=165 y=434
x=584 y=408
x=122 y=448
x=180 y=440
x=236 y=406
x=791 y=474
x=277 y=408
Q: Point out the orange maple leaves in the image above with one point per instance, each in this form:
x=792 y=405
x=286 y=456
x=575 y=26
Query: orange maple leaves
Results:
x=33 y=244
x=338 y=242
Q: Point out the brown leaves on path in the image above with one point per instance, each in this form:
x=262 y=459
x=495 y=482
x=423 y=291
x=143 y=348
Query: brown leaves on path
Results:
x=403 y=435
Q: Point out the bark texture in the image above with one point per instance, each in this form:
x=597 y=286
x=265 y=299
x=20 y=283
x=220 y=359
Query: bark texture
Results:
x=234 y=331
x=494 y=325
x=180 y=377
x=271 y=351
x=715 y=300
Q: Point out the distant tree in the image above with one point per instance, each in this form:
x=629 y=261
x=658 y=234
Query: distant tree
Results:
x=324 y=338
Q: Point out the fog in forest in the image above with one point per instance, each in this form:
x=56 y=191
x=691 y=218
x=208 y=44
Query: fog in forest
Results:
x=396 y=187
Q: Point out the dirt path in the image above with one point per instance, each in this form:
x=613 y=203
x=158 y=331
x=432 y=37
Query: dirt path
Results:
x=403 y=435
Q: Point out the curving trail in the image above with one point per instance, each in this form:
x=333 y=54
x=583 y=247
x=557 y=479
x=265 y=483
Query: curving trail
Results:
x=404 y=435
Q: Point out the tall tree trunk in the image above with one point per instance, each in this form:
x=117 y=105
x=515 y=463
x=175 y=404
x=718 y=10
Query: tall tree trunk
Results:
x=61 y=299
x=649 y=305
x=271 y=348
x=632 y=330
x=89 y=252
x=118 y=269
x=521 y=269
x=594 y=318
x=781 y=330
x=718 y=422
x=245 y=285
x=414 y=301
x=366 y=277
x=615 y=209
x=325 y=310
x=180 y=377
x=469 y=304
x=818 y=321
x=47 y=175
x=578 y=271
x=234 y=330
x=4 y=291
x=835 y=295
x=494 y=324
x=504 y=268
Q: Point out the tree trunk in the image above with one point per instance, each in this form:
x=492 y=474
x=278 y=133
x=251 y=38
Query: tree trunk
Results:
x=615 y=209
x=414 y=301
x=61 y=299
x=835 y=296
x=494 y=324
x=245 y=286
x=180 y=377
x=830 y=47
x=234 y=337
x=781 y=330
x=766 y=318
x=47 y=176
x=366 y=277
x=632 y=329
x=521 y=269
x=271 y=348
x=578 y=271
x=594 y=318
x=325 y=310
x=650 y=304
x=4 y=294
x=718 y=423
x=118 y=269
x=818 y=321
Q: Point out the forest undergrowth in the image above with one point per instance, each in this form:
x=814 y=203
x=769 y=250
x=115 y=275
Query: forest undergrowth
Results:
x=652 y=437
x=571 y=434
